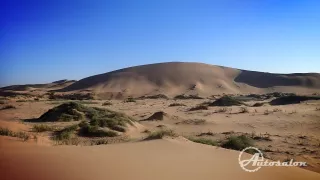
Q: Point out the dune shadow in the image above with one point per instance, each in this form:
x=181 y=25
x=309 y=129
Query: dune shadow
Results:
x=32 y=120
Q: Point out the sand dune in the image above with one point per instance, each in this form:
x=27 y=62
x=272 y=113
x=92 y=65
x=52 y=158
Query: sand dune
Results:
x=158 y=159
x=192 y=78
x=50 y=86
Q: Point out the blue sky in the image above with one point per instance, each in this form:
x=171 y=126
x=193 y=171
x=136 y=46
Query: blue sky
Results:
x=44 y=41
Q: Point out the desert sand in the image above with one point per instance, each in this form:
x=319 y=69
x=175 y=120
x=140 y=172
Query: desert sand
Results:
x=281 y=131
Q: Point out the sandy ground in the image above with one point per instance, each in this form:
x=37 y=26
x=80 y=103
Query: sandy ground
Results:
x=158 y=159
x=293 y=131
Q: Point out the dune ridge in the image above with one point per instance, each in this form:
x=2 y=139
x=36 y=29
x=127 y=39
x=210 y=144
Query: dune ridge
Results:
x=175 y=78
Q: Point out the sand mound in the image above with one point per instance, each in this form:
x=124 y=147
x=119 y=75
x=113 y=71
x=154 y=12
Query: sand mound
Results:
x=97 y=117
x=176 y=78
x=157 y=116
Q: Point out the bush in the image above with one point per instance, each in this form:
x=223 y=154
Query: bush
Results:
x=237 y=142
x=182 y=96
x=65 y=134
x=176 y=104
x=199 y=107
x=6 y=132
x=204 y=141
x=98 y=117
x=193 y=121
x=226 y=101
x=130 y=99
x=42 y=128
x=95 y=131
x=158 y=96
x=161 y=133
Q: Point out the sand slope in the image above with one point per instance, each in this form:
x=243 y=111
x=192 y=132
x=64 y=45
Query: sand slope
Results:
x=192 y=78
x=158 y=159
x=49 y=86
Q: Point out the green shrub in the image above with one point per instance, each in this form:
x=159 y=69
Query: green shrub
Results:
x=161 y=133
x=42 y=128
x=237 y=142
x=95 y=131
x=66 y=133
x=6 y=132
x=183 y=96
x=204 y=141
x=199 y=107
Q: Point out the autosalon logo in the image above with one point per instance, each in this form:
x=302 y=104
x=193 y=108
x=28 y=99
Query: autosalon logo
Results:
x=257 y=161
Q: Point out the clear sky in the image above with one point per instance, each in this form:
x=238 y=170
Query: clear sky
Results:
x=48 y=40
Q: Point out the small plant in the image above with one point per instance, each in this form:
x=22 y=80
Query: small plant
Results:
x=176 y=104
x=99 y=142
x=221 y=110
x=130 y=99
x=237 y=142
x=8 y=107
x=42 y=128
x=209 y=133
x=244 y=110
x=107 y=103
x=317 y=108
x=160 y=134
x=200 y=107
x=204 y=141
x=193 y=121
x=95 y=131
x=65 y=134
x=277 y=110
x=6 y=132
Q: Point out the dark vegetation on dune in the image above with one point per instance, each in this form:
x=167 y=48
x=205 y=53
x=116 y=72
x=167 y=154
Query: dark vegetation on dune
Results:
x=183 y=96
x=226 y=101
x=94 y=120
x=292 y=99
x=158 y=96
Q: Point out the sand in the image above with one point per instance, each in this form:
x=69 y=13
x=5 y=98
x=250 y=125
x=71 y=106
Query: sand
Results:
x=158 y=159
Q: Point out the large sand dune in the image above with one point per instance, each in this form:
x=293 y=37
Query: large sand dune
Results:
x=159 y=159
x=192 y=78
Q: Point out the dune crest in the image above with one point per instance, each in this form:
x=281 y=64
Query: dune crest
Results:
x=176 y=78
